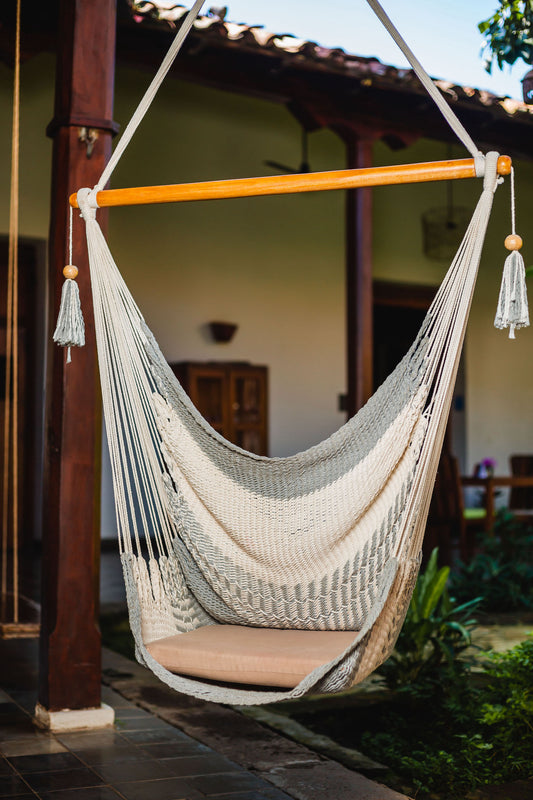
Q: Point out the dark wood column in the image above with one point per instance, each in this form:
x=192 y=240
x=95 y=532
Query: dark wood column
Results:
x=70 y=665
x=358 y=277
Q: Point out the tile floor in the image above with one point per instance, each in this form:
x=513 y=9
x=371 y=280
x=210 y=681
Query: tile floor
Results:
x=142 y=758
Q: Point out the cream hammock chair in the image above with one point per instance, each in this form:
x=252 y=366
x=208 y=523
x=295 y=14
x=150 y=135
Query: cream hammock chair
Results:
x=252 y=579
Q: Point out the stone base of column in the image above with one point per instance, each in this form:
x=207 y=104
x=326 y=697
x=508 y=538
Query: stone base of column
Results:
x=74 y=719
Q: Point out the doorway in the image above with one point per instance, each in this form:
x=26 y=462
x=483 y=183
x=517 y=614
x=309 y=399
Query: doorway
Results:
x=399 y=310
x=31 y=340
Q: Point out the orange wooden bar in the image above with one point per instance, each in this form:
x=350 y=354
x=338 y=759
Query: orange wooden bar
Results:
x=290 y=184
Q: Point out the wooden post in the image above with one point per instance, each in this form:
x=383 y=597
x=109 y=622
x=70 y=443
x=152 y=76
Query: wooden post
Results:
x=359 y=297
x=70 y=660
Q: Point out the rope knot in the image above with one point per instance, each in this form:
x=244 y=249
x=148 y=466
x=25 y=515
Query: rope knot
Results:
x=490 y=179
x=87 y=203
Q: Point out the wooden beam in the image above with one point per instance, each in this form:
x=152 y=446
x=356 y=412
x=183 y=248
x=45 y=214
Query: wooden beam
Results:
x=70 y=660
x=293 y=184
x=359 y=298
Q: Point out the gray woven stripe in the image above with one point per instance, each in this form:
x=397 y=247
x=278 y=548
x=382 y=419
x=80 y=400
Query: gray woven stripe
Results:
x=320 y=465
x=338 y=601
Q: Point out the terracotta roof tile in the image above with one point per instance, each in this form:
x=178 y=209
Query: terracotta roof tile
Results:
x=368 y=70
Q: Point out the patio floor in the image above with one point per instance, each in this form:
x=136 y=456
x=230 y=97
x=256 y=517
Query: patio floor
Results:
x=198 y=750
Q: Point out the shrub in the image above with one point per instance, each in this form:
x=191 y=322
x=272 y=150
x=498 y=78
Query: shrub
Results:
x=445 y=731
x=502 y=572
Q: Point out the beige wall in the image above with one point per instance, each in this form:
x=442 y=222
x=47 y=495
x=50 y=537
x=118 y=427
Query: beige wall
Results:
x=272 y=265
x=37 y=109
x=275 y=265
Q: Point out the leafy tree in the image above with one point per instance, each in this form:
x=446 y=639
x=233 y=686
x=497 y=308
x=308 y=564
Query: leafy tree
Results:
x=508 y=34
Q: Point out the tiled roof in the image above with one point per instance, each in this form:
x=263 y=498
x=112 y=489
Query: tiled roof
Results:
x=369 y=71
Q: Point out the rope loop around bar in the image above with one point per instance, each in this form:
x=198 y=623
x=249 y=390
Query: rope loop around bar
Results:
x=87 y=203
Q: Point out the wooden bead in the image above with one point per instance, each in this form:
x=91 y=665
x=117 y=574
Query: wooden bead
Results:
x=513 y=241
x=70 y=271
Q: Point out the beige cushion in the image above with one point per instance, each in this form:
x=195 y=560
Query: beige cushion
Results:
x=263 y=656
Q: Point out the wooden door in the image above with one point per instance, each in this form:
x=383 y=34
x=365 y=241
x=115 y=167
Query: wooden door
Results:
x=232 y=397
x=248 y=408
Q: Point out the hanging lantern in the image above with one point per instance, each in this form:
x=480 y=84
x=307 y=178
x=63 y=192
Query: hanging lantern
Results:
x=527 y=87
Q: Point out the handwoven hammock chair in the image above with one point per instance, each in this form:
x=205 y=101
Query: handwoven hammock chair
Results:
x=311 y=557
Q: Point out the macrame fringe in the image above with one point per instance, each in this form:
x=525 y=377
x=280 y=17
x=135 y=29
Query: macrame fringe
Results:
x=70 y=328
x=512 y=311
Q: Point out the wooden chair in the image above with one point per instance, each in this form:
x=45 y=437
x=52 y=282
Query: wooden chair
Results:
x=448 y=518
x=521 y=497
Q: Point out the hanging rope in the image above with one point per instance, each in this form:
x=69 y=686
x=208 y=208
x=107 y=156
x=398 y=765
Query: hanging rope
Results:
x=149 y=95
x=451 y=118
x=11 y=376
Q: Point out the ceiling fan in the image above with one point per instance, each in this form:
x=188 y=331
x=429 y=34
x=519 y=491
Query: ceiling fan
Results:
x=304 y=165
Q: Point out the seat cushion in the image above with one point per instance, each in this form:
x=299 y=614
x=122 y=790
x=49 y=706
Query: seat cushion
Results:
x=261 y=656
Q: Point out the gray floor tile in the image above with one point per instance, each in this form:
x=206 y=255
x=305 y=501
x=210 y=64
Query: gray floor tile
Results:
x=176 y=748
x=5 y=767
x=45 y=762
x=64 y=779
x=165 y=789
x=227 y=783
x=200 y=765
x=110 y=754
x=132 y=712
x=150 y=769
x=12 y=786
x=10 y=711
x=115 y=699
x=27 y=698
x=254 y=795
x=20 y=729
x=94 y=793
x=167 y=734
x=140 y=723
x=31 y=745
x=85 y=740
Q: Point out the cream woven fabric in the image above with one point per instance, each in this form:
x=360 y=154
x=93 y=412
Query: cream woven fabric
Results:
x=328 y=539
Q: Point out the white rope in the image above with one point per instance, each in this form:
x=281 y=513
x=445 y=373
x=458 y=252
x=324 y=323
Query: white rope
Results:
x=149 y=95
x=513 y=207
x=70 y=235
x=450 y=117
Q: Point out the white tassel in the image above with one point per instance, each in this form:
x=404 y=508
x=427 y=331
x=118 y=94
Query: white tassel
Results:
x=512 y=311
x=70 y=328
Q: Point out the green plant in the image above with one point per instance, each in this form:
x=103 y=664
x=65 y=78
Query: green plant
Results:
x=436 y=630
x=502 y=572
x=507 y=707
x=434 y=748
x=508 y=33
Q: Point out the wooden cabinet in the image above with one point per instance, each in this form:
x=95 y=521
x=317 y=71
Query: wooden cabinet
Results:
x=232 y=397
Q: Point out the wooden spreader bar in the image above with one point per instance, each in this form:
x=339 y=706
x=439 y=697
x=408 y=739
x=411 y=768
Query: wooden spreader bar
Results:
x=290 y=184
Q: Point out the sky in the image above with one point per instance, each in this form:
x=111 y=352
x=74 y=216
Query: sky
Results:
x=442 y=33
